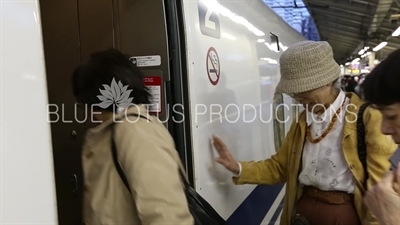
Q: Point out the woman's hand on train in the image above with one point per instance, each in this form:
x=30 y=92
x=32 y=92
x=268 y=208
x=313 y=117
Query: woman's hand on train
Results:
x=225 y=158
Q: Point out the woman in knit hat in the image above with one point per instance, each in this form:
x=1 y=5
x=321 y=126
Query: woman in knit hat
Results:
x=318 y=160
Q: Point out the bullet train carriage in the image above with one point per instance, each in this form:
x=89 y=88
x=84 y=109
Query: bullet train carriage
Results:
x=212 y=68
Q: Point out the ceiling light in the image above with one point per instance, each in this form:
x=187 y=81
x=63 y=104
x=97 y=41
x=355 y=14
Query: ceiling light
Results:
x=396 y=32
x=380 y=46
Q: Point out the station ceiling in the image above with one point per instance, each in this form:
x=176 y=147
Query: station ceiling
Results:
x=348 y=25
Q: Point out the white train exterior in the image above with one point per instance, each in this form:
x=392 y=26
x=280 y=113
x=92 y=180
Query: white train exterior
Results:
x=232 y=60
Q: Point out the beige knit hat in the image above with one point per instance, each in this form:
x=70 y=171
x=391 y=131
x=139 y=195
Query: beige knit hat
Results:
x=305 y=66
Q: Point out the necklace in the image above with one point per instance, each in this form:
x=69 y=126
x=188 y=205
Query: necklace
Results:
x=326 y=132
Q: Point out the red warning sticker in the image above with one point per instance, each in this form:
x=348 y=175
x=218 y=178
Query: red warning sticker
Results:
x=153 y=84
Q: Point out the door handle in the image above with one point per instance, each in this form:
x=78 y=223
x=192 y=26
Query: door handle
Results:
x=74 y=182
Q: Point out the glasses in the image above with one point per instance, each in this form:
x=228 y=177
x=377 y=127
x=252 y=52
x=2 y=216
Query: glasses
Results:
x=296 y=95
x=304 y=94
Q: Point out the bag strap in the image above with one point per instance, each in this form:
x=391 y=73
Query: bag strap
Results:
x=115 y=156
x=121 y=172
x=361 y=144
x=190 y=193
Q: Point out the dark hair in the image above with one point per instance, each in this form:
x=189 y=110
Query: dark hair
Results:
x=100 y=71
x=382 y=86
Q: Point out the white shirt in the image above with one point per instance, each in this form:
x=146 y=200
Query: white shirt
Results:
x=324 y=165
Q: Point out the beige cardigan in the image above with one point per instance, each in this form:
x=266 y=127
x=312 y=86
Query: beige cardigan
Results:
x=150 y=162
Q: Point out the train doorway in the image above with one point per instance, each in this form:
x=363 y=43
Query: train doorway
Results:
x=72 y=30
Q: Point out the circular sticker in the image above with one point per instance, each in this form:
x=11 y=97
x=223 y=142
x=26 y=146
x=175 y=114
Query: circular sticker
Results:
x=213 y=66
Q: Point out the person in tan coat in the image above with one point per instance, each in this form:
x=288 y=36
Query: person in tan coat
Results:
x=318 y=159
x=110 y=87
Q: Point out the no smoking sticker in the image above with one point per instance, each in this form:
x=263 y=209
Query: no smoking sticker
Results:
x=213 y=66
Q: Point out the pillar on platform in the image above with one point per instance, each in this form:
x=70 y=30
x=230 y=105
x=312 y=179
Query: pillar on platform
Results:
x=371 y=59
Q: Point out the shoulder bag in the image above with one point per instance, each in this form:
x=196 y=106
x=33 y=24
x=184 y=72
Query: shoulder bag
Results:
x=203 y=213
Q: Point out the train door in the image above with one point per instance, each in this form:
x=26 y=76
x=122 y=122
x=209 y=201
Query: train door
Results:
x=74 y=29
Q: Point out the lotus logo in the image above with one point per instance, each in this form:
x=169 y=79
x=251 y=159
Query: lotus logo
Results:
x=116 y=94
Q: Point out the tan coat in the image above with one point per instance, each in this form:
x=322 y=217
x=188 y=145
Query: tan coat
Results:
x=148 y=157
x=285 y=165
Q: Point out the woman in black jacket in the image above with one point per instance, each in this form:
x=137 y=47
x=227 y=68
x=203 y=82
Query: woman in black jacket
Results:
x=351 y=85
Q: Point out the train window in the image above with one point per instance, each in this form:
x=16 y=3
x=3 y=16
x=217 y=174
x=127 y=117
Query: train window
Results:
x=274 y=41
x=279 y=120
